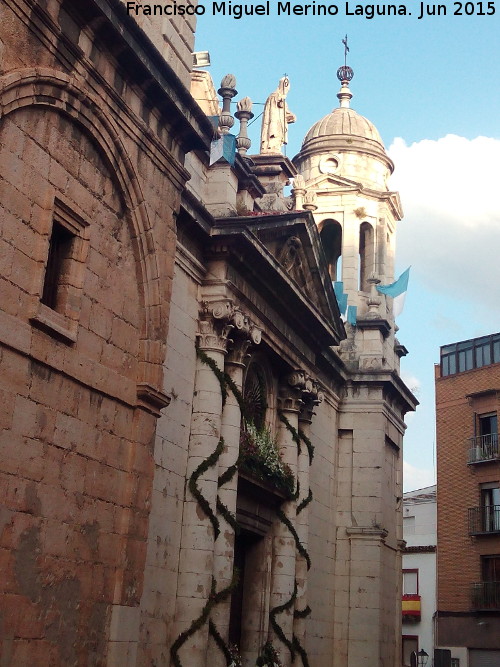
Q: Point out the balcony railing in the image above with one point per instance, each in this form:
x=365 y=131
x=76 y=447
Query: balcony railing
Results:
x=486 y=595
x=483 y=448
x=483 y=520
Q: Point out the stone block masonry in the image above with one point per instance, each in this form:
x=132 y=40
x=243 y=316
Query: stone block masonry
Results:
x=81 y=371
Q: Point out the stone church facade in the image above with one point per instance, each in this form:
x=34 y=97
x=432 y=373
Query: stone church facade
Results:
x=197 y=451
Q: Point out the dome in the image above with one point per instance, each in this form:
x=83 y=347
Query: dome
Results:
x=344 y=121
x=344 y=131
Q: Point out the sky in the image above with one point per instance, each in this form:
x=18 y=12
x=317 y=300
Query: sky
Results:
x=431 y=87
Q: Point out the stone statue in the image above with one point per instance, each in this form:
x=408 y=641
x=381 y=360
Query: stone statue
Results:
x=275 y=119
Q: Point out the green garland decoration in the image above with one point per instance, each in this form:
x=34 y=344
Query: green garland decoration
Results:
x=299 y=436
x=294 y=646
x=308 y=444
x=298 y=544
x=226 y=477
x=305 y=502
x=277 y=627
x=302 y=613
x=221 y=644
x=193 y=487
x=221 y=376
x=301 y=651
x=228 y=516
x=268 y=656
x=195 y=625
x=228 y=474
x=229 y=382
x=291 y=429
x=213 y=599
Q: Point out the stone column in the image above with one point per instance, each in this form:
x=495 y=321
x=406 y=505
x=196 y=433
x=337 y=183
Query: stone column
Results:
x=243 y=335
x=197 y=537
x=284 y=548
x=311 y=398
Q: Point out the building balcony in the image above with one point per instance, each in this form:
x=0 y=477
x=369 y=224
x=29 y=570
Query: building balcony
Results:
x=485 y=595
x=484 y=520
x=483 y=448
x=411 y=607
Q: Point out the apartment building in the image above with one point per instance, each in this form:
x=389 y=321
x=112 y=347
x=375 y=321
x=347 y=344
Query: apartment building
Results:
x=468 y=472
x=419 y=571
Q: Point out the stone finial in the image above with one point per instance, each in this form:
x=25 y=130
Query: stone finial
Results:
x=310 y=201
x=227 y=91
x=374 y=299
x=245 y=104
x=299 y=182
x=229 y=81
x=244 y=114
x=298 y=191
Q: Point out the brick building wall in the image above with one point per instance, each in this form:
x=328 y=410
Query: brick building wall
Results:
x=460 y=399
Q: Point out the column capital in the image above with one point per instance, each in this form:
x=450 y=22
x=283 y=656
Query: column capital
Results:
x=215 y=325
x=225 y=327
x=300 y=392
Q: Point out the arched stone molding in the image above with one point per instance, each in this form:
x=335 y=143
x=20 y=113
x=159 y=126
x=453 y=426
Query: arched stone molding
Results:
x=55 y=90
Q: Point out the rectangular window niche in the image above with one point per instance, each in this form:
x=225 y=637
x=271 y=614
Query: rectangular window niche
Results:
x=58 y=310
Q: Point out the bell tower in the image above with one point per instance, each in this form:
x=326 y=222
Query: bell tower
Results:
x=345 y=170
x=343 y=178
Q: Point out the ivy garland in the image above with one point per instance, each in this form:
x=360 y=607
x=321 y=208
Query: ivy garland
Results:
x=213 y=599
x=269 y=656
x=230 y=518
x=220 y=375
x=302 y=613
x=305 y=502
x=226 y=382
x=301 y=651
x=277 y=627
x=295 y=646
x=212 y=629
x=193 y=487
x=298 y=437
x=293 y=431
x=298 y=544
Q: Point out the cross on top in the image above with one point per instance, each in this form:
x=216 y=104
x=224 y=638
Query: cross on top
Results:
x=346 y=49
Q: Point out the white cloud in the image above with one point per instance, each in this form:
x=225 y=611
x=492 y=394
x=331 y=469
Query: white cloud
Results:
x=412 y=382
x=451 y=231
x=417 y=478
